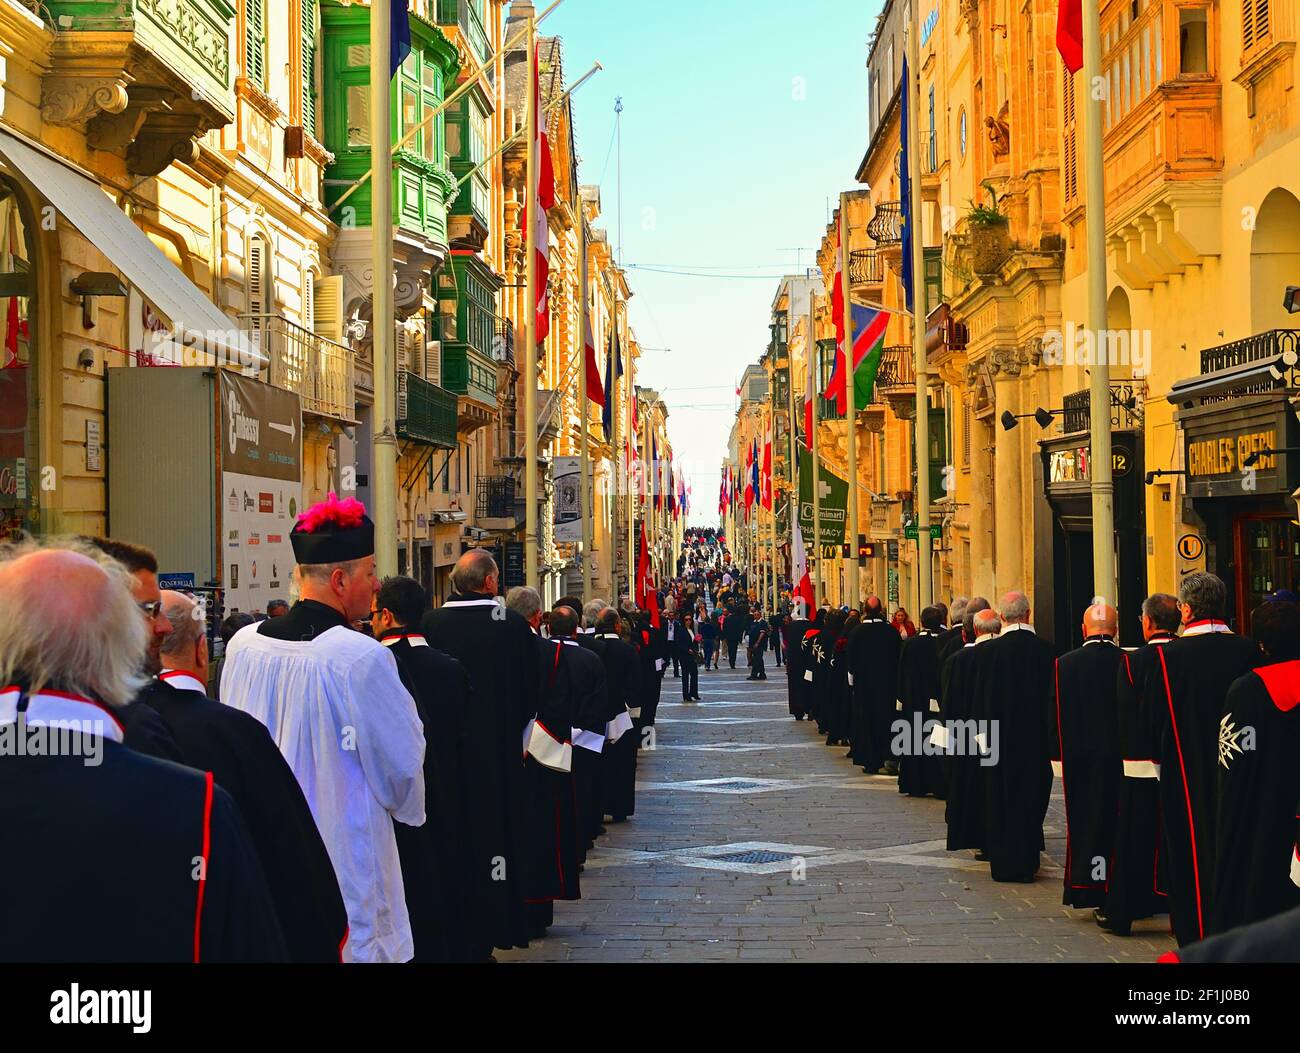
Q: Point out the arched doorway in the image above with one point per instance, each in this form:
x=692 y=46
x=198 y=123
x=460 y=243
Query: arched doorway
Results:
x=1274 y=260
x=19 y=440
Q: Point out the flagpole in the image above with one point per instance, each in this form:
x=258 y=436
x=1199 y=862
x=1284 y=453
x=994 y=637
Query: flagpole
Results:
x=382 y=325
x=530 y=323
x=791 y=434
x=630 y=397
x=810 y=343
x=924 y=587
x=1103 y=485
x=584 y=456
x=850 y=420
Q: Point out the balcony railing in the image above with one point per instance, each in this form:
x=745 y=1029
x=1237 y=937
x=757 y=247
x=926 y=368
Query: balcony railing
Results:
x=426 y=414
x=1125 y=410
x=886 y=226
x=1269 y=344
x=496 y=497
x=866 y=267
x=321 y=372
x=503 y=344
x=897 y=367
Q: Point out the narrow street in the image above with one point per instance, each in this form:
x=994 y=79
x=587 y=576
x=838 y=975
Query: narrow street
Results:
x=736 y=794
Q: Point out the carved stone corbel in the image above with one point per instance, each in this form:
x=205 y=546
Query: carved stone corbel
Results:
x=74 y=100
x=1005 y=360
x=408 y=294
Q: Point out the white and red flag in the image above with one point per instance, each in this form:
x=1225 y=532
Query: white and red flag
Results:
x=539 y=235
x=804 y=600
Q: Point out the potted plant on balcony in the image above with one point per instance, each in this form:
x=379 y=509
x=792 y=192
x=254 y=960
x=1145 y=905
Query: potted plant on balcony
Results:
x=989 y=231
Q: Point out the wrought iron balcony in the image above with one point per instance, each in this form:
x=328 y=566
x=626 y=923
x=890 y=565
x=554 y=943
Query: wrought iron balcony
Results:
x=496 y=497
x=1125 y=410
x=886 y=226
x=866 y=267
x=426 y=414
x=1269 y=344
x=321 y=372
x=897 y=367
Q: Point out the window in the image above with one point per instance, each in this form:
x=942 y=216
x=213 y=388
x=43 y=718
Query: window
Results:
x=255 y=42
x=19 y=474
x=1069 y=139
x=1256 y=25
x=307 y=60
x=961 y=132
x=358 y=112
x=1193 y=40
x=933 y=151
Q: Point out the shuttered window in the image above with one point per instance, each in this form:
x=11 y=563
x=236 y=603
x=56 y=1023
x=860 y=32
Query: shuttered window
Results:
x=307 y=51
x=255 y=285
x=1256 y=25
x=965 y=435
x=1069 y=143
x=255 y=42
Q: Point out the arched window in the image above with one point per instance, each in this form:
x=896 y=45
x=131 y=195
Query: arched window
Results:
x=1274 y=260
x=19 y=453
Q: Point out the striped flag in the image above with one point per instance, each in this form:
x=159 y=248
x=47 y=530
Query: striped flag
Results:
x=869 y=328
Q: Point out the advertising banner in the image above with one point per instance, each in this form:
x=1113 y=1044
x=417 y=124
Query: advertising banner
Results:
x=834 y=500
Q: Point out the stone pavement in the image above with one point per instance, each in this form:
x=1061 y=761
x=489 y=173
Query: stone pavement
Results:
x=754 y=840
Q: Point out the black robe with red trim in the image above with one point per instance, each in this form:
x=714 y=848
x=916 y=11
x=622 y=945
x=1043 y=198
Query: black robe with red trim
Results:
x=873 y=653
x=964 y=811
x=618 y=761
x=920 y=771
x=1257 y=867
x=130 y=835
x=552 y=834
x=1085 y=753
x=590 y=719
x=499 y=651
x=248 y=765
x=1013 y=701
x=1138 y=885
x=795 y=663
x=1274 y=941
x=436 y=859
x=1189 y=692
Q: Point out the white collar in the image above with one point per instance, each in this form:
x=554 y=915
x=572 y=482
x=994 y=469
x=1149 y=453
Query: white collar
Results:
x=73 y=711
x=1099 y=640
x=982 y=639
x=587 y=632
x=1014 y=626
x=179 y=678
x=568 y=643
x=471 y=603
x=414 y=639
x=609 y=636
x=1206 y=625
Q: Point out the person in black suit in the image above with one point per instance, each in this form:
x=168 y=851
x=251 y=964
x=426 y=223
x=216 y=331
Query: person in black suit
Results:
x=686 y=650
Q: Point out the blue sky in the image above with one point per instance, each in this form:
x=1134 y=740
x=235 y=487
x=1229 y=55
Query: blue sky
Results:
x=725 y=169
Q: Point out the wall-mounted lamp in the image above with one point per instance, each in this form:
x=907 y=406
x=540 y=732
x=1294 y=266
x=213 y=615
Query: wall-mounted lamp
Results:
x=1044 y=417
x=1152 y=475
x=90 y=284
x=1252 y=459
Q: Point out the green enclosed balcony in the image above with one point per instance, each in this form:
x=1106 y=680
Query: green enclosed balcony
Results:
x=426 y=413
x=145 y=78
x=469 y=373
x=468 y=327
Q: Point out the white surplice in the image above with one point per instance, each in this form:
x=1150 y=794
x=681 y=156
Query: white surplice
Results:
x=351 y=733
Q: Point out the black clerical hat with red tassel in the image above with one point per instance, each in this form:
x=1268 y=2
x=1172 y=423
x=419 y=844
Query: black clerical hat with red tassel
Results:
x=333 y=531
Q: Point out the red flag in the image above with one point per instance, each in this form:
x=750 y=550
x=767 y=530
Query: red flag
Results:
x=1069 y=33
x=749 y=478
x=540 y=235
x=643 y=573
x=767 y=474
x=805 y=601
x=595 y=386
x=810 y=390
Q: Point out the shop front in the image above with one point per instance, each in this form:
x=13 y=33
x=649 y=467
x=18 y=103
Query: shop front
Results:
x=1063 y=543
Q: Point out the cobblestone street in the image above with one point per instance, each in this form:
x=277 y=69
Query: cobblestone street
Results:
x=737 y=796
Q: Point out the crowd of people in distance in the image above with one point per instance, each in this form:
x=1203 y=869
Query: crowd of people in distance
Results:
x=1175 y=759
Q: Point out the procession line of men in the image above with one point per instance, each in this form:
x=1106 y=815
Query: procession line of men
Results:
x=1176 y=759
x=425 y=791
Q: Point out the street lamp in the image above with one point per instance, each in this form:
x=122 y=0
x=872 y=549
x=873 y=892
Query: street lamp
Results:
x=1044 y=417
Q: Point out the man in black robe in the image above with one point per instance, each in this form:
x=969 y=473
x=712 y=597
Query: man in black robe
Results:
x=919 y=769
x=500 y=653
x=590 y=717
x=1187 y=705
x=794 y=630
x=873 y=650
x=623 y=680
x=951 y=639
x=1257 y=870
x=436 y=859
x=1137 y=872
x=248 y=765
x=733 y=628
x=1013 y=700
x=1085 y=752
x=964 y=812
x=162 y=846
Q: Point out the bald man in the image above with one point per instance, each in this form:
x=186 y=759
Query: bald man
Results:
x=1086 y=755
x=245 y=761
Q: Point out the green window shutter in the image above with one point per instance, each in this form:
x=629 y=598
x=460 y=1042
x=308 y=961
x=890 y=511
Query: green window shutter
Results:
x=308 y=43
x=255 y=27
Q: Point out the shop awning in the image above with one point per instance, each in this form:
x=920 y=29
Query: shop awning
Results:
x=198 y=322
x=1254 y=377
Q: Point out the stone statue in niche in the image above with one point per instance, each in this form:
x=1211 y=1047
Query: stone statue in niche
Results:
x=1000 y=130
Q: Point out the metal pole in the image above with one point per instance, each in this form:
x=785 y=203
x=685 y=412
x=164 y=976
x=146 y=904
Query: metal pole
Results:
x=850 y=419
x=924 y=589
x=585 y=506
x=811 y=344
x=536 y=222
x=791 y=463
x=382 y=326
x=1103 y=486
x=630 y=396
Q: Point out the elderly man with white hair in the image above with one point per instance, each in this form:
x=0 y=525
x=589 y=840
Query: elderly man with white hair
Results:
x=336 y=707
x=165 y=847
x=239 y=751
x=1014 y=695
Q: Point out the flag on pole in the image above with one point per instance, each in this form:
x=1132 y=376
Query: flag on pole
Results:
x=905 y=194
x=767 y=474
x=1069 y=33
x=538 y=235
x=804 y=598
x=810 y=389
x=869 y=328
x=749 y=478
x=654 y=471
x=399 y=36
x=595 y=388
x=613 y=370
x=757 y=483
x=671 y=490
